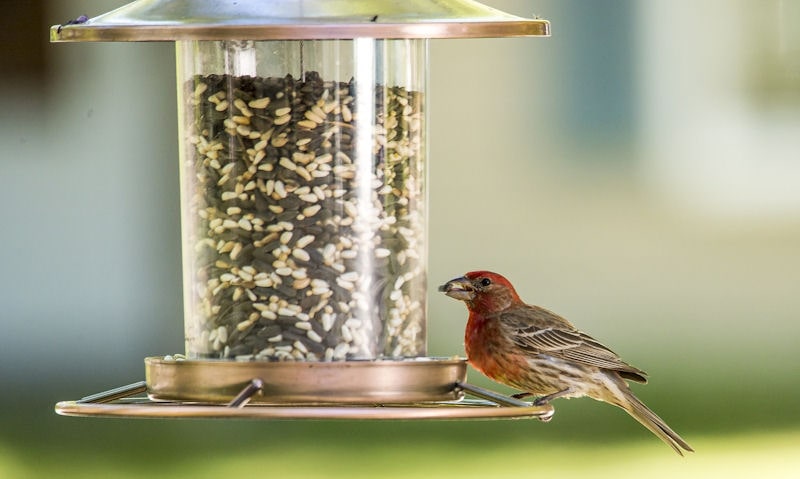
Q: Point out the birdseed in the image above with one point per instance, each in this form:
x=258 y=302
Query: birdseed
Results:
x=297 y=252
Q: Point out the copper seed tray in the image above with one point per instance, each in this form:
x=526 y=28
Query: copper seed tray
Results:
x=341 y=382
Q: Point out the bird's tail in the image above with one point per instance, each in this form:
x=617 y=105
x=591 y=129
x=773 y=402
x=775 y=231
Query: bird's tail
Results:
x=636 y=408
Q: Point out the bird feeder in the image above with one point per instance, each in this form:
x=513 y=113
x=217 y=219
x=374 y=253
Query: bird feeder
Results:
x=303 y=128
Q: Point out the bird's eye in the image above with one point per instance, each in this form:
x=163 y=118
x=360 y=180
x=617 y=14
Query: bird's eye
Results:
x=486 y=282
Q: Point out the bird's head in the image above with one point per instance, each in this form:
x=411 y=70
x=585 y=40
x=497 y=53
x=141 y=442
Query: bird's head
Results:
x=482 y=291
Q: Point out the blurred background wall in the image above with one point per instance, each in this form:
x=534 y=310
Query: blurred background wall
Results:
x=638 y=172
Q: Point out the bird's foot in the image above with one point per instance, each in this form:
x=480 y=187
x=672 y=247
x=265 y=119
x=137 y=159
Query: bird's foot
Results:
x=541 y=401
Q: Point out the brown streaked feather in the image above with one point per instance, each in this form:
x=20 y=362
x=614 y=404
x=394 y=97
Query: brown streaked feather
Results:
x=554 y=336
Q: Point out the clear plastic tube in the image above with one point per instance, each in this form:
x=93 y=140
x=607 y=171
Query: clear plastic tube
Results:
x=303 y=193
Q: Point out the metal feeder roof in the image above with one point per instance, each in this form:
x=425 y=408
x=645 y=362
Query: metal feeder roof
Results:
x=171 y=20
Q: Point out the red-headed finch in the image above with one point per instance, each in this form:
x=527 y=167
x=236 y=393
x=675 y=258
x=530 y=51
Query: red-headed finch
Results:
x=540 y=353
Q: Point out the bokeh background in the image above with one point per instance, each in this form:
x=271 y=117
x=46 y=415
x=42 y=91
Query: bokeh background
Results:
x=638 y=172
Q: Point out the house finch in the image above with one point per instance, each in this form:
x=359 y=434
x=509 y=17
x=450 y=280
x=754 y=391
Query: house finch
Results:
x=540 y=353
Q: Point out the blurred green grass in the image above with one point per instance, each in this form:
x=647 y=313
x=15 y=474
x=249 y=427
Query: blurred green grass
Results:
x=734 y=435
x=114 y=448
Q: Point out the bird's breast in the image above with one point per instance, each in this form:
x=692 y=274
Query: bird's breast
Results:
x=488 y=350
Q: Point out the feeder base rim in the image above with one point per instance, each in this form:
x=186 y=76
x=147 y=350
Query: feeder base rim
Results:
x=465 y=409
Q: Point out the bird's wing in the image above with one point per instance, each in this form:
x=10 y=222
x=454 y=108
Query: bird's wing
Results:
x=554 y=336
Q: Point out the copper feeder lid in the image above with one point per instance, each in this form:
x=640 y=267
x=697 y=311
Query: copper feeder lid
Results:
x=171 y=20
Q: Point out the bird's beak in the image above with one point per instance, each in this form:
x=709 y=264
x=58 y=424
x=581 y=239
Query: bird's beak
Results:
x=459 y=288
